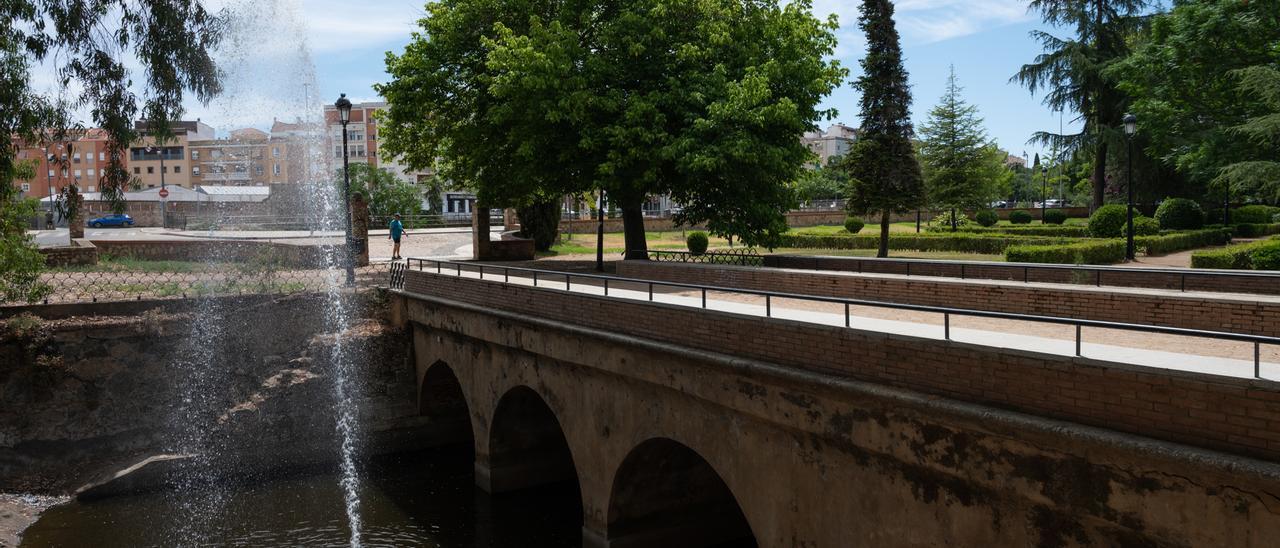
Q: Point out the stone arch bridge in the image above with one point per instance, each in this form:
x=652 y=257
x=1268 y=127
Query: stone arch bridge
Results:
x=703 y=428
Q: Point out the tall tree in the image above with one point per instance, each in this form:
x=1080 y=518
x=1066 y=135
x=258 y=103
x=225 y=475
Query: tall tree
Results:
x=884 y=176
x=1259 y=175
x=953 y=153
x=1184 y=77
x=700 y=100
x=1073 y=72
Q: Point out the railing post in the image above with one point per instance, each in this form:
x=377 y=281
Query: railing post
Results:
x=535 y=278
x=768 y=306
x=704 y=298
x=606 y=287
x=439 y=268
x=961 y=271
x=506 y=275
x=482 y=272
x=846 y=314
x=1099 y=276
x=1257 y=360
x=908 y=269
x=1026 y=275
x=459 y=270
x=650 y=291
x=1078 y=327
x=1184 y=282
x=567 y=280
x=946 y=325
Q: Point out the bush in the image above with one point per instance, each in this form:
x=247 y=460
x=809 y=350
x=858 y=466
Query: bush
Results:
x=1054 y=216
x=1182 y=241
x=853 y=224
x=1235 y=257
x=1145 y=226
x=697 y=242
x=1180 y=214
x=1020 y=217
x=1092 y=252
x=541 y=223
x=961 y=242
x=986 y=217
x=944 y=220
x=1266 y=257
x=1064 y=231
x=1245 y=230
x=1252 y=214
x=1108 y=221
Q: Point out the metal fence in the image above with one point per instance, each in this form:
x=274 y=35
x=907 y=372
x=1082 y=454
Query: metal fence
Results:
x=165 y=280
x=556 y=279
x=742 y=258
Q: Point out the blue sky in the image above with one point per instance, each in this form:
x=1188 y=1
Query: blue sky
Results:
x=986 y=40
x=276 y=42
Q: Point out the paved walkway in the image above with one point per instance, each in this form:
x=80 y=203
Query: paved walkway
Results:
x=1172 y=352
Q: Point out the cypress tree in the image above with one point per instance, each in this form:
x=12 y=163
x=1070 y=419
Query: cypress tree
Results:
x=953 y=151
x=884 y=175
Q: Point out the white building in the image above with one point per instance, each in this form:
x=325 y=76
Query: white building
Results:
x=835 y=141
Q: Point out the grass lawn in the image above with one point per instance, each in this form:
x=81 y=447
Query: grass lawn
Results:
x=893 y=254
x=107 y=263
x=615 y=243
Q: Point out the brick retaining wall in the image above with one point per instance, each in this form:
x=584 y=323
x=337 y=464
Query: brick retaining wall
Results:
x=1229 y=414
x=1220 y=282
x=1238 y=314
x=213 y=250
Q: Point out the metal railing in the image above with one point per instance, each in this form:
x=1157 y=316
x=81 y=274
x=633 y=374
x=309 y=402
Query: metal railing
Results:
x=744 y=258
x=455 y=268
x=965 y=269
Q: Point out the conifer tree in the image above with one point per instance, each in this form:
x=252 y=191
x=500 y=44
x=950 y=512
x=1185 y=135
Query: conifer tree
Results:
x=884 y=176
x=953 y=153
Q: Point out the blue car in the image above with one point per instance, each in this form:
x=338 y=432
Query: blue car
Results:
x=111 y=220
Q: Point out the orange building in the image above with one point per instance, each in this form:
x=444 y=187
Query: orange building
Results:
x=79 y=159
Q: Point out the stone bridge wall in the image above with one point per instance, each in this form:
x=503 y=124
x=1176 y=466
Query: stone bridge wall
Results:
x=812 y=457
x=1230 y=414
x=1258 y=315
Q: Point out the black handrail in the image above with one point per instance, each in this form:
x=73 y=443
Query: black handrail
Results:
x=1257 y=340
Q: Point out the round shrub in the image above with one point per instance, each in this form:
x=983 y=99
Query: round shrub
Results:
x=1145 y=226
x=1108 y=221
x=986 y=217
x=1252 y=214
x=853 y=224
x=697 y=242
x=1054 y=216
x=1020 y=217
x=1180 y=214
x=1265 y=257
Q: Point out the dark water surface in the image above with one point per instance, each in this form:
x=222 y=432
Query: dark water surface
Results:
x=410 y=499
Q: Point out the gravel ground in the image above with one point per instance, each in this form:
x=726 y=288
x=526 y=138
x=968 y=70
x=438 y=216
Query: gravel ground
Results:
x=17 y=512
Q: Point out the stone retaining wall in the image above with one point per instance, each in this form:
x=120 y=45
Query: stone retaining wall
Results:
x=81 y=252
x=1229 y=414
x=301 y=256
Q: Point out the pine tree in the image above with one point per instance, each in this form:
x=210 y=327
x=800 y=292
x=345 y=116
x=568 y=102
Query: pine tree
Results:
x=953 y=153
x=883 y=171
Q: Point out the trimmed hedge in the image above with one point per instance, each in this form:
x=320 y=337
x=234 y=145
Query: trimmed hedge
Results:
x=1054 y=216
x=1233 y=257
x=1064 y=231
x=1266 y=257
x=1251 y=230
x=1253 y=214
x=697 y=242
x=961 y=242
x=853 y=224
x=1020 y=217
x=986 y=218
x=1181 y=241
x=1145 y=226
x=1180 y=214
x=1109 y=221
x=1091 y=252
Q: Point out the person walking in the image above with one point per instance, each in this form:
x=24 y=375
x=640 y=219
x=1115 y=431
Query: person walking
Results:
x=395 y=233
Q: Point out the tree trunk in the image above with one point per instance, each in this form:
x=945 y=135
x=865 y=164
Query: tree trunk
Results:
x=884 y=234
x=1099 y=177
x=633 y=232
x=953 y=219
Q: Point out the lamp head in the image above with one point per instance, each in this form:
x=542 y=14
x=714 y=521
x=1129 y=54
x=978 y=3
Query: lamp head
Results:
x=1130 y=124
x=344 y=108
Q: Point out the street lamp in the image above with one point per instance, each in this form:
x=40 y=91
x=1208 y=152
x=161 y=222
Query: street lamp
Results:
x=163 y=192
x=1044 y=190
x=1130 y=127
x=344 y=117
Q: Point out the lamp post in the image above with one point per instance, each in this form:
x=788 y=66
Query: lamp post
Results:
x=344 y=117
x=159 y=150
x=1130 y=127
x=1044 y=190
x=599 y=231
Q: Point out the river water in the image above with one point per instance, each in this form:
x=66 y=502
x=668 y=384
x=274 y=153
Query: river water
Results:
x=411 y=499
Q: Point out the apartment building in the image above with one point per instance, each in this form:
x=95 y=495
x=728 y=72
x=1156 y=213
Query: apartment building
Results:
x=80 y=158
x=250 y=157
x=151 y=162
x=835 y=141
x=295 y=137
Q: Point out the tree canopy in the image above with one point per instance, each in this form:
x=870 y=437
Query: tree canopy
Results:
x=954 y=153
x=884 y=175
x=699 y=100
x=386 y=193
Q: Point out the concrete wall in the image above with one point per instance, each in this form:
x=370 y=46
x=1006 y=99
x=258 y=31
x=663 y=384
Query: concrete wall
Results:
x=1230 y=414
x=1257 y=315
x=811 y=456
x=1222 y=281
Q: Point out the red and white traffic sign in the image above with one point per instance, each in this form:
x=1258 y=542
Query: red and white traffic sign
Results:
x=164 y=193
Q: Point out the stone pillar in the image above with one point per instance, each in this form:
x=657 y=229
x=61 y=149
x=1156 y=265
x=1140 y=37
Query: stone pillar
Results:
x=360 y=226
x=479 y=232
x=75 y=206
x=509 y=220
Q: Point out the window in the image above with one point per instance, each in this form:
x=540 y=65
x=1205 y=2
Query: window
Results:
x=102 y=156
x=177 y=169
x=195 y=171
x=275 y=170
x=93 y=189
x=151 y=169
x=275 y=151
x=215 y=154
x=137 y=170
x=195 y=155
x=75 y=158
x=64 y=172
x=77 y=172
x=51 y=173
x=257 y=170
x=26 y=187
x=90 y=172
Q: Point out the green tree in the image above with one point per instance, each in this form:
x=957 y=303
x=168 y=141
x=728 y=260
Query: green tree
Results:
x=954 y=152
x=1259 y=175
x=89 y=41
x=20 y=262
x=703 y=101
x=1183 y=77
x=1073 y=72
x=387 y=193
x=821 y=183
x=884 y=176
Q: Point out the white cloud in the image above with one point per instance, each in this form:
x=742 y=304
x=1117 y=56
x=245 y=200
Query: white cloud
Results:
x=928 y=21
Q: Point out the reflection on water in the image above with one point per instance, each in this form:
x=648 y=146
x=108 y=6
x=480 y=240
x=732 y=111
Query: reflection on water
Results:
x=410 y=499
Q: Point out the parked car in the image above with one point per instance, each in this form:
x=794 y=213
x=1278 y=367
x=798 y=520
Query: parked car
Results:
x=111 y=220
x=1054 y=202
x=1002 y=204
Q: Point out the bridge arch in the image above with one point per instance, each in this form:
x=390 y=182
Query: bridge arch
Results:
x=442 y=400
x=527 y=446
x=665 y=493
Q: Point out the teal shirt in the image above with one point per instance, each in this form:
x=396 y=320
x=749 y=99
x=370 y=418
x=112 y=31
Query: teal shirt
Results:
x=396 y=229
